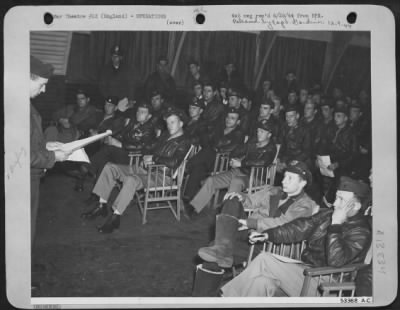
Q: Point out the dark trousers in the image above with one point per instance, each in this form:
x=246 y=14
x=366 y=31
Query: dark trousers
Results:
x=35 y=182
x=199 y=167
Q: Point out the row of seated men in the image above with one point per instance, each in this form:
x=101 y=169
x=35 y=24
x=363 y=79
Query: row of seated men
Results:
x=325 y=129
x=335 y=236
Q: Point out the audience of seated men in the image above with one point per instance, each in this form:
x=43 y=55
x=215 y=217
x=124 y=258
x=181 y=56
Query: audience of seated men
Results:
x=335 y=238
x=272 y=206
x=225 y=138
x=169 y=150
x=259 y=153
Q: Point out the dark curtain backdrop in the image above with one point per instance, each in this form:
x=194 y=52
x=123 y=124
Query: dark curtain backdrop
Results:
x=90 y=52
x=213 y=50
x=304 y=57
x=354 y=71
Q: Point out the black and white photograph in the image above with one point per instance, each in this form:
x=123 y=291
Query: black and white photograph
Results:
x=203 y=164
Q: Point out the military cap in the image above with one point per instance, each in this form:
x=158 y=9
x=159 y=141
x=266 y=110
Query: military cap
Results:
x=116 y=50
x=234 y=92
x=265 y=125
x=193 y=62
x=198 y=102
x=359 y=188
x=355 y=104
x=37 y=67
x=178 y=112
x=246 y=94
x=146 y=105
x=268 y=102
x=292 y=107
x=155 y=92
x=223 y=84
x=112 y=99
x=342 y=109
x=326 y=101
x=82 y=91
x=233 y=110
x=162 y=58
x=301 y=169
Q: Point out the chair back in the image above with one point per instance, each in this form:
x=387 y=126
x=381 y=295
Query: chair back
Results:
x=221 y=163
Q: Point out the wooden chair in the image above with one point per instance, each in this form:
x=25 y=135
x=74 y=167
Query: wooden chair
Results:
x=163 y=185
x=332 y=281
x=195 y=150
x=221 y=164
x=134 y=158
x=261 y=176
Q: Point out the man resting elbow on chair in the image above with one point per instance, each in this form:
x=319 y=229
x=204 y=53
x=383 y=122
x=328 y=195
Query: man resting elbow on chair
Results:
x=335 y=238
x=273 y=206
x=169 y=150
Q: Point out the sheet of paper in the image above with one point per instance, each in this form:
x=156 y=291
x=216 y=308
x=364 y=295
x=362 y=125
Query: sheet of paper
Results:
x=79 y=155
x=78 y=144
x=323 y=163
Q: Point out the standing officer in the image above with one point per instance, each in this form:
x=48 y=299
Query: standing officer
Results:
x=115 y=80
x=41 y=157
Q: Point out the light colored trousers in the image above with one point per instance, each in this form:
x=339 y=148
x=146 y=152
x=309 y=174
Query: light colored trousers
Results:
x=132 y=179
x=264 y=275
x=233 y=179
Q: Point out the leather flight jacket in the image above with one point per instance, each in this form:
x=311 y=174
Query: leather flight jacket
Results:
x=227 y=143
x=254 y=156
x=135 y=135
x=327 y=244
x=295 y=144
x=169 y=152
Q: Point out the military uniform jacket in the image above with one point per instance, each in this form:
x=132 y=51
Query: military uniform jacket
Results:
x=136 y=136
x=326 y=135
x=116 y=82
x=228 y=142
x=213 y=113
x=344 y=148
x=196 y=132
x=114 y=123
x=165 y=85
x=254 y=155
x=313 y=127
x=169 y=152
x=267 y=212
x=295 y=144
x=327 y=244
x=41 y=158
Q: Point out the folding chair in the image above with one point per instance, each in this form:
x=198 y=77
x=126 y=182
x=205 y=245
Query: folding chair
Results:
x=163 y=185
